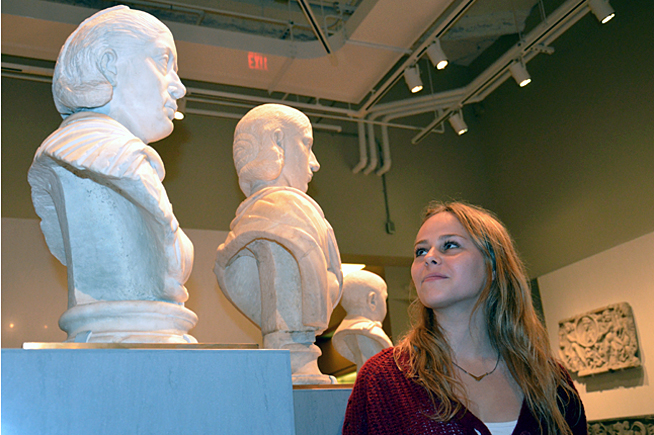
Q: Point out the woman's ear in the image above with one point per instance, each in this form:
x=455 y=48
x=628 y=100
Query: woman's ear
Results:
x=108 y=68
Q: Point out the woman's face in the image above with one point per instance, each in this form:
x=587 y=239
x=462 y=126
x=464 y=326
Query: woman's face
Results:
x=448 y=269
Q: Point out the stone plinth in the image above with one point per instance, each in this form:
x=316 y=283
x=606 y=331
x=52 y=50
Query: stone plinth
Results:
x=128 y=391
x=320 y=410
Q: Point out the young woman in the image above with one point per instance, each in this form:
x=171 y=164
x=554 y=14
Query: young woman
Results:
x=477 y=360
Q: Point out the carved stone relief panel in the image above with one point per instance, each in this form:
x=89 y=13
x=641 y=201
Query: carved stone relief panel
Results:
x=599 y=341
x=641 y=425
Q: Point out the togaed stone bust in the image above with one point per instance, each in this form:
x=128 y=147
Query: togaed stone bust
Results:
x=280 y=263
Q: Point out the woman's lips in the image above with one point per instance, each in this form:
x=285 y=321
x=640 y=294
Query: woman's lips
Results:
x=434 y=277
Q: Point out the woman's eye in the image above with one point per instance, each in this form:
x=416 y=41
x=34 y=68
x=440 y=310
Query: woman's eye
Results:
x=420 y=252
x=450 y=245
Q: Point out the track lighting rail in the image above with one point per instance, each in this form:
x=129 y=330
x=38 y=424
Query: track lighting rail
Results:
x=541 y=36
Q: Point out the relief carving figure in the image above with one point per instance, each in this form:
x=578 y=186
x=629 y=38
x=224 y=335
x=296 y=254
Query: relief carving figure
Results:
x=97 y=185
x=599 y=341
x=360 y=334
x=280 y=263
x=639 y=425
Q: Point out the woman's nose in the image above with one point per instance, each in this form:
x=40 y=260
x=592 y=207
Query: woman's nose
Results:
x=432 y=257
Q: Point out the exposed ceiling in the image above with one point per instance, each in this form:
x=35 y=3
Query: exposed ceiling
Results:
x=344 y=69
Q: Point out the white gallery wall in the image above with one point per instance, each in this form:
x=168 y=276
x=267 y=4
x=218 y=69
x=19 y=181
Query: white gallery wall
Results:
x=624 y=273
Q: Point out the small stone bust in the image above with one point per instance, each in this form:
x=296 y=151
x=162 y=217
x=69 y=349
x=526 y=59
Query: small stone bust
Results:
x=360 y=334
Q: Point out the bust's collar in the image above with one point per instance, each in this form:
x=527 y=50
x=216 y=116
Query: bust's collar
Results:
x=87 y=115
x=271 y=189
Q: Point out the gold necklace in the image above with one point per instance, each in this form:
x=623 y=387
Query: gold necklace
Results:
x=480 y=377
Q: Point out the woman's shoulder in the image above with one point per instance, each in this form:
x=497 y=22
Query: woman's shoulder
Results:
x=384 y=368
x=383 y=360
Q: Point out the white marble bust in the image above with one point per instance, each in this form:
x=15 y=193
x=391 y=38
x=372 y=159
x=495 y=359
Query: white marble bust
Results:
x=96 y=184
x=280 y=263
x=360 y=334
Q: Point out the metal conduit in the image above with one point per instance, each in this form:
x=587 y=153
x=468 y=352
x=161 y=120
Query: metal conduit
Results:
x=372 y=150
x=386 y=152
x=262 y=100
x=363 y=154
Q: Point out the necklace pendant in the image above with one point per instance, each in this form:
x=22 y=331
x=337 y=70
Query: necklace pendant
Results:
x=480 y=377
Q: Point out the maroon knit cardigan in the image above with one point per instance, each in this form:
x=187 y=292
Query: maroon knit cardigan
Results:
x=385 y=402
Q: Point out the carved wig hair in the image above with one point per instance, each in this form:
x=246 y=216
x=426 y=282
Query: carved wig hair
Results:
x=78 y=82
x=513 y=327
x=257 y=157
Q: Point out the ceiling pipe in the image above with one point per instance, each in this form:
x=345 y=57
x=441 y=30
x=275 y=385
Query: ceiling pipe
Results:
x=245 y=105
x=307 y=111
x=544 y=33
x=238 y=116
x=419 y=105
x=214 y=113
x=372 y=150
x=363 y=154
x=372 y=144
x=263 y=100
x=386 y=152
x=326 y=127
x=385 y=142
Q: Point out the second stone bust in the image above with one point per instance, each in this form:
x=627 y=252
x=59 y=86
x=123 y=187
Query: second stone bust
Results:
x=280 y=263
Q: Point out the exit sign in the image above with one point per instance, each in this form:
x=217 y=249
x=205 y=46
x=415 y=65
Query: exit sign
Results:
x=257 y=61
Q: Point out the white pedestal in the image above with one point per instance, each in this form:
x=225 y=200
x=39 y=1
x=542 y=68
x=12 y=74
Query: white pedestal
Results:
x=320 y=411
x=129 y=391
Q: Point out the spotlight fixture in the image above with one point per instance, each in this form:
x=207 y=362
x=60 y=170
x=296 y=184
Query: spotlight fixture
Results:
x=412 y=77
x=602 y=10
x=181 y=109
x=457 y=123
x=519 y=73
x=437 y=55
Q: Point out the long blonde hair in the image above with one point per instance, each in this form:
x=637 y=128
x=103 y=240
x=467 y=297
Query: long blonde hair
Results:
x=513 y=327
